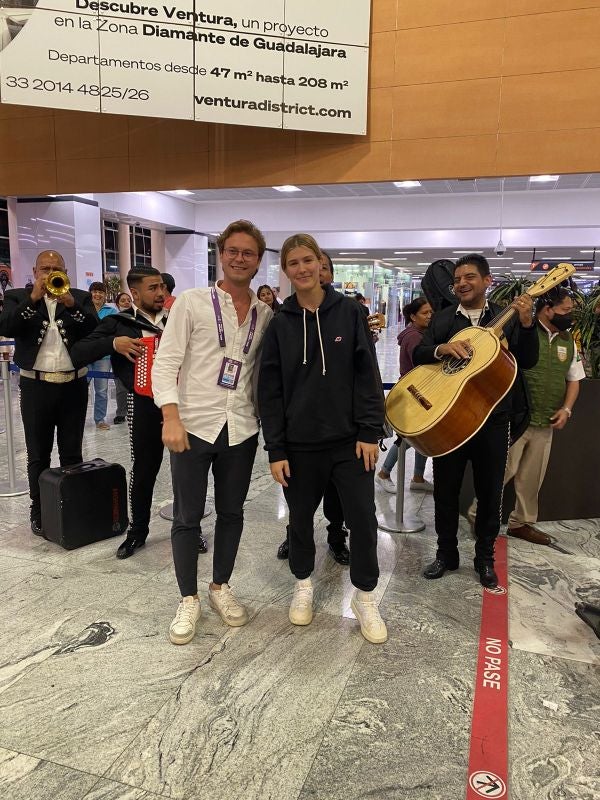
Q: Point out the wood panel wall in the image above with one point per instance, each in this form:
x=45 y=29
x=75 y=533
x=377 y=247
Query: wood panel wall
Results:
x=458 y=88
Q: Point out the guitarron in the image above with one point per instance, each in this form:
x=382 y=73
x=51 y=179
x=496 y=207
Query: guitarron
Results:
x=438 y=407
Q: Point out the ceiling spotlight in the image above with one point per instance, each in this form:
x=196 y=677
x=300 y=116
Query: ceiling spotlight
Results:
x=180 y=191
x=286 y=188
x=543 y=178
x=406 y=184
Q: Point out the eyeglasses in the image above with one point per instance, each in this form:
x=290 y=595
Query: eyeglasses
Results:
x=233 y=252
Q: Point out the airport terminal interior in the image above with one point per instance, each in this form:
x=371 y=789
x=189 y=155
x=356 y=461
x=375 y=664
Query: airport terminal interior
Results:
x=412 y=134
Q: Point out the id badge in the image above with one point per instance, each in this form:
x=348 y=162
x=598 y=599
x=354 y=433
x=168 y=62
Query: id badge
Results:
x=230 y=373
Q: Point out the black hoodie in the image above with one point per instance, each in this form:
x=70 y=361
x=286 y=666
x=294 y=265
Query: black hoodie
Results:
x=319 y=389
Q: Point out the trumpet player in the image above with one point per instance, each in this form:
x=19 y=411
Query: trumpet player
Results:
x=45 y=322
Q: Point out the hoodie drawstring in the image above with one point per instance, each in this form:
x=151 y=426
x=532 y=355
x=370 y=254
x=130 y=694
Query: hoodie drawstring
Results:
x=304 y=319
x=320 y=341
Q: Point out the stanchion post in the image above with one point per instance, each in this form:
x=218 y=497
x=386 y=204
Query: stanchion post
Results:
x=12 y=487
x=400 y=523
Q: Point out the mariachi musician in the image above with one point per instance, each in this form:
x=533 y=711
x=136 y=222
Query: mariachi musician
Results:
x=487 y=449
x=45 y=321
x=118 y=335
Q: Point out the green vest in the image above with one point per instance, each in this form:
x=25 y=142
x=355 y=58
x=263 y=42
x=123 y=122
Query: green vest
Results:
x=546 y=381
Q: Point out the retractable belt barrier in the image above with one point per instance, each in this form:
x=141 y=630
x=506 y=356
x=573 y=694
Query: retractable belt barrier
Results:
x=12 y=487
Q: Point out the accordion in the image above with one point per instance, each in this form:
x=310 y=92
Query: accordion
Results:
x=142 y=370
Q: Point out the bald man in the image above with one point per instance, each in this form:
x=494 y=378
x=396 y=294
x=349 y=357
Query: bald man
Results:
x=53 y=394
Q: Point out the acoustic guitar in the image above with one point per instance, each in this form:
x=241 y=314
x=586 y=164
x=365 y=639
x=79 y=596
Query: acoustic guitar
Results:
x=438 y=407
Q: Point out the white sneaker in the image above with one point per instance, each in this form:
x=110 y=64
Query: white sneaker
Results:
x=366 y=612
x=386 y=483
x=421 y=486
x=301 y=612
x=183 y=627
x=227 y=606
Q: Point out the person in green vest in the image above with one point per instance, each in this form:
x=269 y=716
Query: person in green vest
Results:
x=553 y=385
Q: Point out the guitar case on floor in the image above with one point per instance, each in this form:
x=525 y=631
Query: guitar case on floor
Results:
x=83 y=503
x=437 y=284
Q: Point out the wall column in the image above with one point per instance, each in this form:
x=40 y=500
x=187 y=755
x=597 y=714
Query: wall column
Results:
x=157 y=245
x=124 y=254
x=186 y=258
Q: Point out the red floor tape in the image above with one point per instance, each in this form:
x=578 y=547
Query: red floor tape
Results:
x=488 y=757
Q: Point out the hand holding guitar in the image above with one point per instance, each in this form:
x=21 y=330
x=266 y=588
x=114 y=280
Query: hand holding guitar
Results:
x=524 y=306
x=458 y=349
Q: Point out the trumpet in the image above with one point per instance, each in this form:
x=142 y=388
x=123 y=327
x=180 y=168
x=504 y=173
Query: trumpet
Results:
x=57 y=283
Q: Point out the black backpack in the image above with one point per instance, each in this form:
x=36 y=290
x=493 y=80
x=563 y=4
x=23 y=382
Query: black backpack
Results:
x=437 y=283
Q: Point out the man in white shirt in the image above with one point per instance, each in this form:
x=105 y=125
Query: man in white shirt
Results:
x=203 y=382
x=53 y=393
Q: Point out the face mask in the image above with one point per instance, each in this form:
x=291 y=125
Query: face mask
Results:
x=562 y=321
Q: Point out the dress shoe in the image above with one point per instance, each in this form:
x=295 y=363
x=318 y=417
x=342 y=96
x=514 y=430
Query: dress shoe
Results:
x=118 y=420
x=202 y=546
x=529 y=534
x=283 y=550
x=437 y=568
x=129 y=546
x=340 y=553
x=487 y=575
x=36 y=527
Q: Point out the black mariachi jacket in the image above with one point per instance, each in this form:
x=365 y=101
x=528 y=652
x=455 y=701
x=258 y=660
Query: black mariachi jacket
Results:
x=522 y=342
x=99 y=343
x=27 y=322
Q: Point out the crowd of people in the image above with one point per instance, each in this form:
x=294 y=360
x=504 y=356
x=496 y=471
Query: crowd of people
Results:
x=231 y=362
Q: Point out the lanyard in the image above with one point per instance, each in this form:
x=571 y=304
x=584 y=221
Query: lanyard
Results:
x=221 y=327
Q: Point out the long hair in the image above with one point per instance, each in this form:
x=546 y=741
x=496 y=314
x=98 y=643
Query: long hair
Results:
x=299 y=240
x=274 y=304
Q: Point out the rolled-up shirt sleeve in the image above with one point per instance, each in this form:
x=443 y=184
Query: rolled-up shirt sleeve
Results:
x=171 y=352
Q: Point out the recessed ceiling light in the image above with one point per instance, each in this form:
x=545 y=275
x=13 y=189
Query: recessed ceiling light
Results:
x=286 y=188
x=408 y=252
x=521 y=263
x=423 y=264
x=531 y=249
x=139 y=192
x=407 y=184
x=500 y=258
x=467 y=252
x=581 y=251
x=180 y=191
x=390 y=258
x=544 y=178
x=353 y=253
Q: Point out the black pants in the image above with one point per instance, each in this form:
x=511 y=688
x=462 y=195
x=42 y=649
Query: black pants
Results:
x=46 y=407
x=310 y=474
x=145 y=439
x=334 y=514
x=487 y=451
x=232 y=470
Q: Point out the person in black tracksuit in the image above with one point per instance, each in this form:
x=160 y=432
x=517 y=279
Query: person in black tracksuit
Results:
x=117 y=336
x=488 y=448
x=320 y=402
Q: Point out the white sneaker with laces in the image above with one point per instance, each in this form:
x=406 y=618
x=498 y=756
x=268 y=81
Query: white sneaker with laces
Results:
x=183 y=627
x=386 y=483
x=366 y=612
x=421 y=486
x=301 y=611
x=224 y=602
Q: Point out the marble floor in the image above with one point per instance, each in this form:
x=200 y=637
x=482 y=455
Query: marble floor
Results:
x=96 y=704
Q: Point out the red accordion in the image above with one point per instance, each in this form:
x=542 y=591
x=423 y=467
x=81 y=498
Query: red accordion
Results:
x=142 y=370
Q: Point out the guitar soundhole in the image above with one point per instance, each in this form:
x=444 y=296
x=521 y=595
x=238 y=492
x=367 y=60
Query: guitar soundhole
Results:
x=452 y=365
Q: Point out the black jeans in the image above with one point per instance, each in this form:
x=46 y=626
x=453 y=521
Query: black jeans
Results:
x=232 y=470
x=145 y=438
x=310 y=474
x=46 y=407
x=487 y=451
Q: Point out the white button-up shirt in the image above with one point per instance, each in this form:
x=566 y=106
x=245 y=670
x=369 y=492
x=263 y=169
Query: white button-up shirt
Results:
x=52 y=356
x=189 y=359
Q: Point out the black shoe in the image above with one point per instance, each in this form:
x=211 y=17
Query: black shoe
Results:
x=283 y=550
x=340 y=553
x=487 y=575
x=36 y=527
x=202 y=546
x=118 y=420
x=129 y=546
x=437 y=568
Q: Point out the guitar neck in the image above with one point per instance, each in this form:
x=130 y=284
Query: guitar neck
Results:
x=497 y=324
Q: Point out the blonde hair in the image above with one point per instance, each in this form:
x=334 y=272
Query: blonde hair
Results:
x=299 y=240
